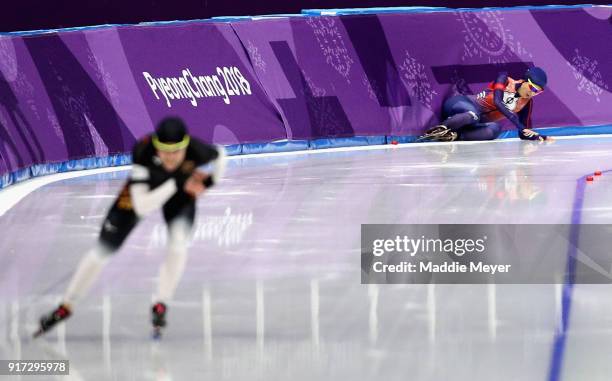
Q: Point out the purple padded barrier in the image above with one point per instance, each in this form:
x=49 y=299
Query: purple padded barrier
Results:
x=70 y=95
x=389 y=73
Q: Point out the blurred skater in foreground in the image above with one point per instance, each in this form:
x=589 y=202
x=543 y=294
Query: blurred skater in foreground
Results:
x=164 y=175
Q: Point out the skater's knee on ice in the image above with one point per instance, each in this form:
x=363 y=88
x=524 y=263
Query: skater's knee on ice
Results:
x=494 y=129
x=487 y=135
x=481 y=131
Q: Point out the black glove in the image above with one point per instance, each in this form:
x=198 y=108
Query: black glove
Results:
x=208 y=182
x=526 y=134
x=181 y=178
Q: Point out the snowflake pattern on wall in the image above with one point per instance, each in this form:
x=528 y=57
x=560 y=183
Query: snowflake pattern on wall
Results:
x=33 y=107
x=5 y=154
x=3 y=120
x=372 y=88
x=23 y=86
x=593 y=85
x=8 y=60
x=101 y=149
x=256 y=57
x=459 y=84
x=321 y=109
x=103 y=76
x=332 y=44
x=323 y=116
x=485 y=36
x=414 y=77
x=19 y=82
x=75 y=106
x=55 y=124
x=314 y=89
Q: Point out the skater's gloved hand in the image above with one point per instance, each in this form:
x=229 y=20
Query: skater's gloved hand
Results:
x=206 y=179
x=527 y=134
x=194 y=186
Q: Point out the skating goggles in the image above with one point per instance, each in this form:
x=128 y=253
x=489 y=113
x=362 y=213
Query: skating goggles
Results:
x=534 y=88
x=170 y=147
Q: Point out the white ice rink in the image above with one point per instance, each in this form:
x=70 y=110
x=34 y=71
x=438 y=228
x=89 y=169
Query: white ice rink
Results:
x=272 y=290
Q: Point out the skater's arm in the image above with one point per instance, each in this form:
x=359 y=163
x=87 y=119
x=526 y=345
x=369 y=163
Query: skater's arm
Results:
x=525 y=117
x=525 y=114
x=208 y=154
x=144 y=199
x=498 y=98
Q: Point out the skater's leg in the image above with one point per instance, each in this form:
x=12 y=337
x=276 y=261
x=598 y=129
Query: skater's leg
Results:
x=481 y=131
x=464 y=119
x=115 y=229
x=179 y=213
x=87 y=273
x=459 y=111
x=171 y=271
